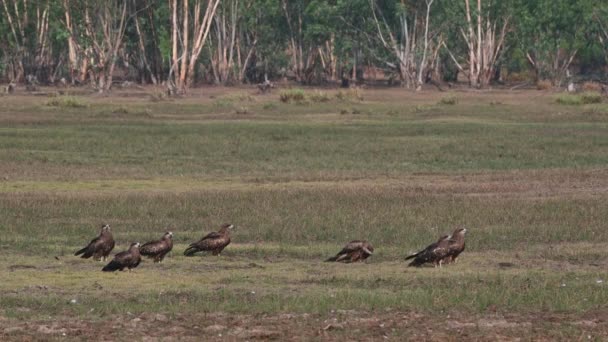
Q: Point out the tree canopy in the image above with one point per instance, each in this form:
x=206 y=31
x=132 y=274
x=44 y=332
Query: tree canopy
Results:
x=182 y=43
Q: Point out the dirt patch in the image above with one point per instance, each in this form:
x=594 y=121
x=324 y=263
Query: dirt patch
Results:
x=338 y=325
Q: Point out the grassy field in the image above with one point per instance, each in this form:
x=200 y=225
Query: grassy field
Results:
x=524 y=172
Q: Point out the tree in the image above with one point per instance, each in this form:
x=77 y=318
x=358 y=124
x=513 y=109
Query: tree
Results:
x=188 y=40
x=401 y=35
x=552 y=33
x=95 y=38
x=28 y=44
x=484 y=30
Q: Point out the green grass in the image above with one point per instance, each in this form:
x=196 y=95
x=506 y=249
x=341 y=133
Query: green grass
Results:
x=581 y=99
x=275 y=149
x=526 y=177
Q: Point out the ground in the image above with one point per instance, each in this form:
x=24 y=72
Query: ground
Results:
x=526 y=174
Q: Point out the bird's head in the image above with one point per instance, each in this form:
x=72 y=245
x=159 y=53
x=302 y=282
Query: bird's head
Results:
x=460 y=231
x=228 y=226
x=105 y=227
x=368 y=249
x=168 y=235
x=135 y=245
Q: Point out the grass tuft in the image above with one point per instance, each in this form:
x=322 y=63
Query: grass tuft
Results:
x=352 y=94
x=448 y=101
x=579 y=99
x=66 y=102
x=319 y=96
x=292 y=95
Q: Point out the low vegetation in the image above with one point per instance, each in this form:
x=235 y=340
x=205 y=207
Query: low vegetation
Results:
x=66 y=102
x=293 y=95
x=579 y=99
x=523 y=173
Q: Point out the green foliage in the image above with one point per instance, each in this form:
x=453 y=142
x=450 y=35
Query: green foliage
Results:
x=292 y=95
x=579 y=99
x=448 y=101
x=312 y=41
x=351 y=94
x=66 y=102
x=319 y=96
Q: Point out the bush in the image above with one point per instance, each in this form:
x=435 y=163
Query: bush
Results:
x=448 y=101
x=592 y=86
x=319 y=96
x=293 y=95
x=581 y=99
x=269 y=106
x=242 y=110
x=66 y=102
x=544 y=85
x=120 y=110
x=352 y=94
x=589 y=98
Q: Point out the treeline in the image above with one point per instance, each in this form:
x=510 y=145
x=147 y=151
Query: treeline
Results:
x=182 y=43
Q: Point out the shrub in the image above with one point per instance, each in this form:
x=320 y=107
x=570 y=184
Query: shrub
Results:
x=569 y=99
x=242 y=110
x=269 y=106
x=588 y=98
x=544 y=85
x=581 y=99
x=120 y=110
x=448 y=101
x=352 y=94
x=319 y=96
x=159 y=96
x=292 y=95
x=592 y=86
x=66 y=102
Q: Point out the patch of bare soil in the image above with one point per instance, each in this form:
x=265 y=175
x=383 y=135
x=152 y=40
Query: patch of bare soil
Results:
x=336 y=326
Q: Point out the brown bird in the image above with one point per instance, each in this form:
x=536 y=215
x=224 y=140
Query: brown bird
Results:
x=128 y=259
x=354 y=251
x=214 y=242
x=435 y=253
x=456 y=245
x=100 y=247
x=159 y=248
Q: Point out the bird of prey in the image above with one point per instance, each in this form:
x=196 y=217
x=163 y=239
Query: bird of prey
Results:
x=434 y=253
x=214 y=242
x=456 y=245
x=128 y=259
x=159 y=248
x=356 y=250
x=100 y=247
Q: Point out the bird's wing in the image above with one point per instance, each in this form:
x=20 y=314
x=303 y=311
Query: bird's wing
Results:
x=212 y=235
x=123 y=257
x=152 y=247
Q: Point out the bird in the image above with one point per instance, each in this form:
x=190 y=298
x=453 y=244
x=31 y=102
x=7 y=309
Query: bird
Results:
x=158 y=249
x=214 y=241
x=456 y=245
x=100 y=247
x=356 y=250
x=435 y=253
x=128 y=259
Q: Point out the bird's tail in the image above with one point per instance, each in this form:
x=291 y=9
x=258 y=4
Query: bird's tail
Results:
x=412 y=256
x=81 y=251
x=190 y=251
x=111 y=267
